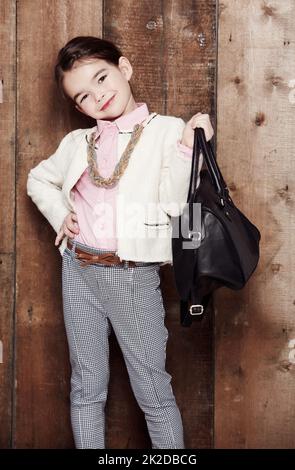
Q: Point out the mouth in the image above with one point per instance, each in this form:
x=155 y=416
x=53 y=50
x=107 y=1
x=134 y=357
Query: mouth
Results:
x=106 y=105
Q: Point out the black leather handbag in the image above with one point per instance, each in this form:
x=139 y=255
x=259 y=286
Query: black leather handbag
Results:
x=213 y=242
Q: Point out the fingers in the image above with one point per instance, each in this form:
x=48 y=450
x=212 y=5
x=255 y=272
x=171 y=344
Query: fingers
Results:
x=65 y=232
x=59 y=237
x=72 y=224
x=203 y=120
x=69 y=232
x=69 y=228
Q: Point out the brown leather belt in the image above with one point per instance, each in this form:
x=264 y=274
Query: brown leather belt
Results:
x=106 y=258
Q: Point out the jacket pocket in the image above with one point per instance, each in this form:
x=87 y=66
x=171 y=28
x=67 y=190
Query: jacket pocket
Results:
x=157 y=225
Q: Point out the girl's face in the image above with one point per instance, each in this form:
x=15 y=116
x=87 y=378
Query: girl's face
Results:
x=92 y=83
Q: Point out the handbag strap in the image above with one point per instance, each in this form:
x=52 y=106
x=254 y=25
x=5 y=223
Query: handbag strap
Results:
x=194 y=167
x=204 y=147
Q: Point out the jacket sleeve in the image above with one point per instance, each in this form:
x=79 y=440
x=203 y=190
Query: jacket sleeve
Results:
x=44 y=185
x=175 y=172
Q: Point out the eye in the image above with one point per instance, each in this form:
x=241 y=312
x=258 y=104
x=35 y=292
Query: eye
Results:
x=102 y=78
x=85 y=96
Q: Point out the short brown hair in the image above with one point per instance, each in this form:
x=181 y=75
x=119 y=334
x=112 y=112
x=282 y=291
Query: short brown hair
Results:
x=83 y=47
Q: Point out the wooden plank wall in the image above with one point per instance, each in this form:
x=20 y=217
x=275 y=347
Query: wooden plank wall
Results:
x=7 y=214
x=172 y=46
x=254 y=395
x=42 y=369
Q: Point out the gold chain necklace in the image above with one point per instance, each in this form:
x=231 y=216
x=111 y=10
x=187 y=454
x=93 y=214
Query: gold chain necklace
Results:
x=121 y=166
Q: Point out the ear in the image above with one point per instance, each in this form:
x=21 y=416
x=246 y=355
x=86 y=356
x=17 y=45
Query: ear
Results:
x=125 y=67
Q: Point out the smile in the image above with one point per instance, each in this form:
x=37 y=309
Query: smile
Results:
x=107 y=103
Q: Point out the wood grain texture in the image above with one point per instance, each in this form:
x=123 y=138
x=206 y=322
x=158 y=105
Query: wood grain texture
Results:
x=255 y=327
x=7 y=215
x=42 y=405
x=171 y=46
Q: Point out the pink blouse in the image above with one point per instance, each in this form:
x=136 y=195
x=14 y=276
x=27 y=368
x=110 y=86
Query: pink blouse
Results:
x=96 y=206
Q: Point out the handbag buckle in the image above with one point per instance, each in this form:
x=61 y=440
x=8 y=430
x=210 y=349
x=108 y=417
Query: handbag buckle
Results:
x=196 y=307
x=191 y=234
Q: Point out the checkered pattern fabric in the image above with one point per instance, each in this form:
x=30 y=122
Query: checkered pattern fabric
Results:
x=128 y=299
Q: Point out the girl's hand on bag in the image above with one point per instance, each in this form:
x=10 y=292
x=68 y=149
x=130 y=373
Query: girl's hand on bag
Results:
x=198 y=120
x=69 y=227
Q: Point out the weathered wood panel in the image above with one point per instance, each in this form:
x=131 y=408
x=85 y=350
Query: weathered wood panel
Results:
x=189 y=66
x=171 y=45
x=7 y=215
x=255 y=327
x=42 y=405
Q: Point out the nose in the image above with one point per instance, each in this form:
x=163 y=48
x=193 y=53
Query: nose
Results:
x=99 y=97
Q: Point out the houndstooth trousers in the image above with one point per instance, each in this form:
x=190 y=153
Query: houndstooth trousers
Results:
x=130 y=299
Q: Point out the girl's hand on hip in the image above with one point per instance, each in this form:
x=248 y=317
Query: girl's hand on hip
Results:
x=198 y=120
x=69 y=227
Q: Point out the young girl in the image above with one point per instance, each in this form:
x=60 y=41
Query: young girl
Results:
x=109 y=192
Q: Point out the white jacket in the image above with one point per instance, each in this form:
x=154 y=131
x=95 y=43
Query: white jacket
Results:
x=153 y=188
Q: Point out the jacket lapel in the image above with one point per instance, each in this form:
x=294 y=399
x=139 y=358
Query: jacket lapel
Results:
x=78 y=163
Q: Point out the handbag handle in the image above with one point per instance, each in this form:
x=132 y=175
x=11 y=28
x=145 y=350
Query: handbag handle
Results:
x=201 y=145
